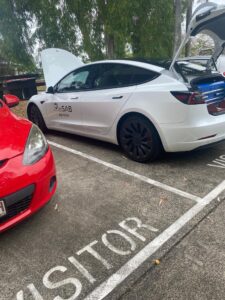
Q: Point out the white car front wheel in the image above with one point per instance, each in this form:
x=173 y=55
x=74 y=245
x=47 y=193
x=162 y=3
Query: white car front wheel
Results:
x=35 y=116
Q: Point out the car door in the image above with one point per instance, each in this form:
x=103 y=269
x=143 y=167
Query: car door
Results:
x=63 y=108
x=111 y=88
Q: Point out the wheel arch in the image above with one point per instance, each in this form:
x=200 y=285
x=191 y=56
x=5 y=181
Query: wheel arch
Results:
x=132 y=113
x=32 y=103
x=41 y=124
x=29 y=105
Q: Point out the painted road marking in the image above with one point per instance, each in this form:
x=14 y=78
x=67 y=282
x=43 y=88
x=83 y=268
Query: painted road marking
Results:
x=131 y=231
x=218 y=163
x=113 y=281
x=127 y=172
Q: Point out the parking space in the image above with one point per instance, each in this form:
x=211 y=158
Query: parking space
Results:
x=108 y=218
x=196 y=172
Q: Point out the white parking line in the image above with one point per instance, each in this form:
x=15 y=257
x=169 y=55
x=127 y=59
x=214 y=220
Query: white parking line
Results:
x=113 y=281
x=218 y=162
x=127 y=172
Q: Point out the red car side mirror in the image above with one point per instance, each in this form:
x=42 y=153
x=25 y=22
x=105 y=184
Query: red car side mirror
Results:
x=11 y=100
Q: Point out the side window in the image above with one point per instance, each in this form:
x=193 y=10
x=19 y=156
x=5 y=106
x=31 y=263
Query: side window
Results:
x=141 y=75
x=121 y=75
x=113 y=76
x=75 y=81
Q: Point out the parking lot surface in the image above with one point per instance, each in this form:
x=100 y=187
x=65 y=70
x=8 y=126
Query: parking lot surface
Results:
x=196 y=172
x=193 y=270
x=110 y=222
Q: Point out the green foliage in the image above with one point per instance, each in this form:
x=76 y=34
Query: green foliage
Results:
x=15 y=44
x=95 y=29
x=151 y=27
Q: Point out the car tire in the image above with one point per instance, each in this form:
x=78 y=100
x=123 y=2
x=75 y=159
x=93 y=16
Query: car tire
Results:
x=139 y=139
x=35 y=116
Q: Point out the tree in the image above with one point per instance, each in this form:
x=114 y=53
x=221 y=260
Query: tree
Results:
x=15 y=43
x=151 y=25
x=183 y=13
x=188 y=19
x=178 y=21
x=94 y=29
x=105 y=27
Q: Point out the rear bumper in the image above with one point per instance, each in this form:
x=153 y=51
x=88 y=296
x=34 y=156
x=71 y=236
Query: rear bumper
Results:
x=210 y=145
x=188 y=136
x=37 y=182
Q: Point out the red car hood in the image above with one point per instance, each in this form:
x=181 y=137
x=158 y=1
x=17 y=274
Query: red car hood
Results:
x=13 y=133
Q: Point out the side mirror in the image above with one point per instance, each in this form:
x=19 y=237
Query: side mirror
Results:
x=50 y=90
x=11 y=100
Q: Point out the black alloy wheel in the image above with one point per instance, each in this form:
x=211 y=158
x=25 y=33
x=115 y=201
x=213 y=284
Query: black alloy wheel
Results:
x=35 y=116
x=139 y=139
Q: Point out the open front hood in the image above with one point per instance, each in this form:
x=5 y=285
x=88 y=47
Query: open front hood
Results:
x=56 y=63
x=208 y=18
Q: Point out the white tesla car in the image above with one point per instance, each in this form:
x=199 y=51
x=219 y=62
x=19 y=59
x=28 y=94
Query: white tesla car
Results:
x=140 y=106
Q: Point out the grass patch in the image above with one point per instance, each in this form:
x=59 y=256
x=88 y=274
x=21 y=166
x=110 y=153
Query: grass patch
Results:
x=41 y=88
x=20 y=110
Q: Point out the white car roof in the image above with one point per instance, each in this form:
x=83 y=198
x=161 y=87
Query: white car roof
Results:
x=132 y=63
x=57 y=63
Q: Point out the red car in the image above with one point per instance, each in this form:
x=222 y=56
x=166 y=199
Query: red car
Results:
x=27 y=169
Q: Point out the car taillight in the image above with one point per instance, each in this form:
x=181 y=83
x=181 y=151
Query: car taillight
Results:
x=216 y=108
x=189 y=98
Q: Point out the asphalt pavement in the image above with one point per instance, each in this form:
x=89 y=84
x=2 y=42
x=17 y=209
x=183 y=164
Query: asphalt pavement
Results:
x=117 y=229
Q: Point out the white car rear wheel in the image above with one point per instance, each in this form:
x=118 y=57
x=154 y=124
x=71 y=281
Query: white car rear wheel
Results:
x=139 y=139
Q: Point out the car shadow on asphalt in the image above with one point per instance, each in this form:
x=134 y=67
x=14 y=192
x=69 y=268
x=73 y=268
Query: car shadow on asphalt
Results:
x=195 y=156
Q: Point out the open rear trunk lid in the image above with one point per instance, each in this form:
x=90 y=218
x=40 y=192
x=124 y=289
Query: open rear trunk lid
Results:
x=208 y=18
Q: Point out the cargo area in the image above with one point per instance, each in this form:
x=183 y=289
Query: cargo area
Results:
x=212 y=91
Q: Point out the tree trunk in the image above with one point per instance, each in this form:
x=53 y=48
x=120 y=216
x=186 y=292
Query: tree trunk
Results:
x=188 y=19
x=178 y=20
x=136 y=44
x=110 y=46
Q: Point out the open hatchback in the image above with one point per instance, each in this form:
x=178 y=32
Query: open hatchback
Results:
x=208 y=86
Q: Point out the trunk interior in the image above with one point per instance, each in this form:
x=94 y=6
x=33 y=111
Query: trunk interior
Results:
x=212 y=90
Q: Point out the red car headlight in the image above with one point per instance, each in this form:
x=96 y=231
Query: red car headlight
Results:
x=36 y=146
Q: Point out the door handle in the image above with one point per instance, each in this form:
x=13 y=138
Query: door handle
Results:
x=117 y=97
x=75 y=98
